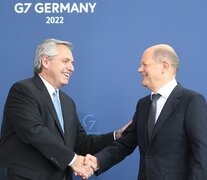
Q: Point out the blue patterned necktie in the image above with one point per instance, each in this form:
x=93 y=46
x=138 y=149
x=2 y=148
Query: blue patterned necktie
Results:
x=58 y=108
x=152 y=113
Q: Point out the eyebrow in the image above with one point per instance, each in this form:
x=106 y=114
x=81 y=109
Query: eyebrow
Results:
x=68 y=59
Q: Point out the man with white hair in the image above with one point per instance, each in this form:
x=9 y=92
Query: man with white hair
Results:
x=41 y=136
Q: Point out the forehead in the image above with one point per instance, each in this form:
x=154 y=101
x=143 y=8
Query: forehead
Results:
x=64 y=52
x=147 y=56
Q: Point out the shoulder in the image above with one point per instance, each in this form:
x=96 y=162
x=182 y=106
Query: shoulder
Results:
x=189 y=93
x=22 y=84
x=144 y=99
x=192 y=97
x=143 y=102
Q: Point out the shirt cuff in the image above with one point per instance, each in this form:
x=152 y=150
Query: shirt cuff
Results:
x=114 y=134
x=73 y=160
x=117 y=134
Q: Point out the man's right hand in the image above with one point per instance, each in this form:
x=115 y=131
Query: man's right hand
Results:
x=91 y=161
x=82 y=169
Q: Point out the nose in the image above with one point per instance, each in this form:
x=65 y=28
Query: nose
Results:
x=140 y=69
x=71 y=66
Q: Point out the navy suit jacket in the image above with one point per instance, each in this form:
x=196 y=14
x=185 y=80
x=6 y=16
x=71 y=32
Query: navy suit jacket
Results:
x=178 y=147
x=33 y=144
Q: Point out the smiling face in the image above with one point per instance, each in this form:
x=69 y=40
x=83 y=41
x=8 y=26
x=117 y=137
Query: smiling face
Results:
x=151 y=71
x=58 y=69
x=159 y=65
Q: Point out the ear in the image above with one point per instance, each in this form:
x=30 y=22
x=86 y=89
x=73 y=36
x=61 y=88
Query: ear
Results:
x=45 y=62
x=165 y=66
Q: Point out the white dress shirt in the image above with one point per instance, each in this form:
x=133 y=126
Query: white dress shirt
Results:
x=50 y=88
x=165 y=92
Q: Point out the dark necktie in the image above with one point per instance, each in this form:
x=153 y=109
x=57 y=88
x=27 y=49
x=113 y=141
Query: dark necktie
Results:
x=58 y=108
x=152 y=113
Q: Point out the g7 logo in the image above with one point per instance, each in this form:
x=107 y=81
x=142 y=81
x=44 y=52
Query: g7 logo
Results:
x=22 y=7
x=89 y=121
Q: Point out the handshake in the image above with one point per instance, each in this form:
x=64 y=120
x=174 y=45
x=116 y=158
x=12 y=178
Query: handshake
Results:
x=85 y=166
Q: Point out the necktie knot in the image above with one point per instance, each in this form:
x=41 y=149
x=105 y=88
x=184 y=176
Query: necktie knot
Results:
x=155 y=97
x=55 y=94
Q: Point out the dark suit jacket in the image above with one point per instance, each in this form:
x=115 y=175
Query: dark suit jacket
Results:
x=33 y=144
x=178 y=148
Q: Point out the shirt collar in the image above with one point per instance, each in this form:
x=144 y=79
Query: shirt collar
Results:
x=49 y=87
x=166 y=90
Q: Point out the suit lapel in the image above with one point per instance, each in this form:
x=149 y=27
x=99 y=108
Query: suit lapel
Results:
x=53 y=112
x=146 y=114
x=48 y=101
x=66 y=114
x=172 y=101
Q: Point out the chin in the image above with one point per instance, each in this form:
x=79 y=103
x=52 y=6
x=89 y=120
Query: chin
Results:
x=144 y=83
x=64 y=83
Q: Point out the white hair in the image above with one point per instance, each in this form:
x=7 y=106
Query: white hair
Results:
x=48 y=48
